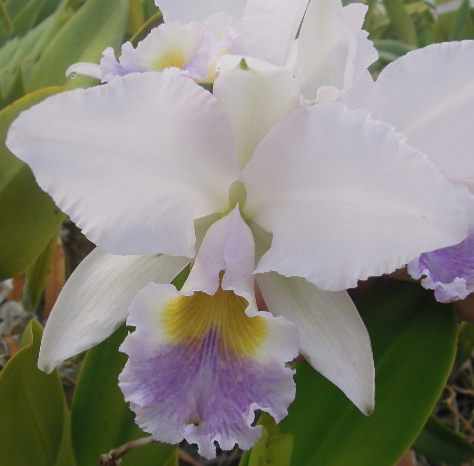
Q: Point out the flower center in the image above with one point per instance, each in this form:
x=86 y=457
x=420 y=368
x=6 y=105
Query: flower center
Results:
x=237 y=195
x=171 y=57
x=189 y=320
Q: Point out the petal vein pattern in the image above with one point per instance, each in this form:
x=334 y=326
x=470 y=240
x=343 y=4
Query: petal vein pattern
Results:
x=134 y=161
x=340 y=213
x=95 y=300
x=201 y=362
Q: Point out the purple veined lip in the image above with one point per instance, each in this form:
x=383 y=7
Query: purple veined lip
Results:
x=206 y=387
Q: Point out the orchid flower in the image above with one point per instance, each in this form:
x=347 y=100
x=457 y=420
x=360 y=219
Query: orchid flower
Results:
x=428 y=96
x=195 y=35
x=303 y=200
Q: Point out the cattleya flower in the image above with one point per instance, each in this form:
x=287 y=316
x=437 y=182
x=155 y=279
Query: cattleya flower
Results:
x=428 y=96
x=303 y=200
x=193 y=48
x=195 y=36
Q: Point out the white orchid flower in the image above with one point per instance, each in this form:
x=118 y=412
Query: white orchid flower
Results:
x=428 y=96
x=195 y=35
x=331 y=53
x=305 y=201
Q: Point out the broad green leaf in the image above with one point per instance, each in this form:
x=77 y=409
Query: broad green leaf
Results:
x=461 y=20
x=34 y=428
x=22 y=53
x=26 y=18
x=5 y=17
x=402 y=23
x=440 y=443
x=28 y=216
x=15 y=7
x=16 y=90
x=414 y=341
x=96 y=25
x=37 y=274
x=47 y=9
x=135 y=17
x=100 y=418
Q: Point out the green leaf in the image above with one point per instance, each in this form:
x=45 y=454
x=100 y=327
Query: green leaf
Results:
x=28 y=216
x=272 y=448
x=100 y=418
x=96 y=25
x=461 y=20
x=16 y=89
x=7 y=22
x=441 y=444
x=37 y=274
x=26 y=18
x=34 y=428
x=414 y=341
x=135 y=17
x=402 y=23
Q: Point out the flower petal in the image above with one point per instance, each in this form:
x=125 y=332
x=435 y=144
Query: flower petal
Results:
x=448 y=271
x=332 y=335
x=95 y=300
x=247 y=88
x=428 y=95
x=332 y=50
x=133 y=162
x=227 y=246
x=168 y=45
x=192 y=10
x=270 y=27
x=199 y=367
x=345 y=198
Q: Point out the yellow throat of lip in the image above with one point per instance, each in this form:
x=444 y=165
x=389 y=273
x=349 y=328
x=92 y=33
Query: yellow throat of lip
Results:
x=188 y=319
x=172 y=57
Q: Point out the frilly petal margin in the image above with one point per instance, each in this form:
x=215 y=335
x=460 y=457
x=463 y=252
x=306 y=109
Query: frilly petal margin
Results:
x=95 y=300
x=428 y=95
x=332 y=335
x=199 y=367
x=202 y=360
x=448 y=271
x=341 y=213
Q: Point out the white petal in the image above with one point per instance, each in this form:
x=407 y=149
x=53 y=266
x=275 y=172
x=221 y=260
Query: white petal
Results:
x=133 y=162
x=429 y=96
x=256 y=96
x=323 y=48
x=193 y=10
x=95 y=300
x=332 y=335
x=168 y=45
x=345 y=198
x=270 y=26
x=227 y=246
x=332 y=49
